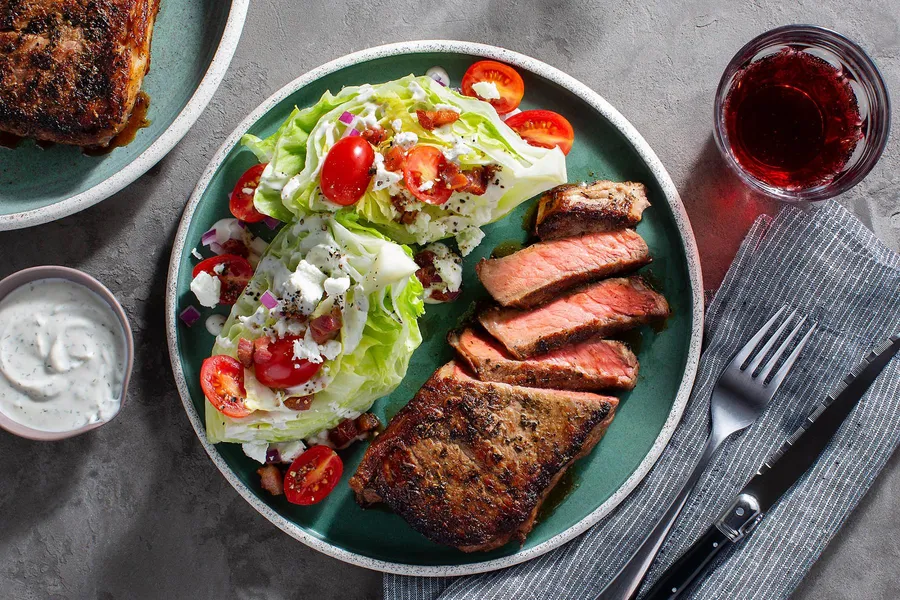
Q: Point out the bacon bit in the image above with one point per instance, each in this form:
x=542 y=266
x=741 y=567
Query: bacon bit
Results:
x=245 y=352
x=441 y=296
x=261 y=352
x=425 y=258
x=236 y=247
x=473 y=181
x=429 y=119
x=271 y=479
x=427 y=274
x=301 y=403
x=374 y=136
x=326 y=327
x=406 y=216
x=348 y=430
x=453 y=177
x=395 y=159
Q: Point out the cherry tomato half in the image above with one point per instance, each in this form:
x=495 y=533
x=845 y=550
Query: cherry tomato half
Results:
x=346 y=172
x=222 y=381
x=543 y=128
x=283 y=370
x=509 y=83
x=235 y=274
x=424 y=164
x=241 y=203
x=312 y=476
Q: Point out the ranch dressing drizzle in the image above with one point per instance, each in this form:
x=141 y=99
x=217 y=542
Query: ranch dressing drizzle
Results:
x=62 y=356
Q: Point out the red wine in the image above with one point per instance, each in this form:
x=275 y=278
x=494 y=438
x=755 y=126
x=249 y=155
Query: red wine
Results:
x=792 y=120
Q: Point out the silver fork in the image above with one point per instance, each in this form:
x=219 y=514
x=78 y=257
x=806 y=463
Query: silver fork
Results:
x=738 y=399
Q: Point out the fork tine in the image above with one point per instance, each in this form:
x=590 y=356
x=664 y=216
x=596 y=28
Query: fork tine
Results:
x=786 y=367
x=770 y=364
x=744 y=352
x=757 y=360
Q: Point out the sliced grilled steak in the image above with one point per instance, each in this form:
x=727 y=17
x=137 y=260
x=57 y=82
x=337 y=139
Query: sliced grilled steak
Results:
x=589 y=366
x=70 y=70
x=599 y=309
x=540 y=272
x=572 y=209
x=468 y=463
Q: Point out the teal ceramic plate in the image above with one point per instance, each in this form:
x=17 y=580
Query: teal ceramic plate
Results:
x=606 y=146
x=193 y=43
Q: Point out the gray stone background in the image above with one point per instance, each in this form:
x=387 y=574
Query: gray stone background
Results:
x=137 y=510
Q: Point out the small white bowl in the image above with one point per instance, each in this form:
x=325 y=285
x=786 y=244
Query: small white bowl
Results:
x=20 y=278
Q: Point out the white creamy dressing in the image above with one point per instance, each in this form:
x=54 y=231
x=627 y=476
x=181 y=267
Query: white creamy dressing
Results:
x=62 y=356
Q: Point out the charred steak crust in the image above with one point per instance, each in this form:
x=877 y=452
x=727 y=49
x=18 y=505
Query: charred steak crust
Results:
x=591 y=366
x=542 y=271
x=70 y=70
x=468 y=463
x=573 y=209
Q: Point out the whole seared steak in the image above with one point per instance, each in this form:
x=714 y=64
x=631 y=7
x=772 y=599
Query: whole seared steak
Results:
x=468 y=463
x=70 y=70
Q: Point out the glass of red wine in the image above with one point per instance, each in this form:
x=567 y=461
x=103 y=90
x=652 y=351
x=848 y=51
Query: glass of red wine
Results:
x=801 y=113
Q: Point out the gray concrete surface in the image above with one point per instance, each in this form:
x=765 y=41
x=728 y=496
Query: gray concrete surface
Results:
x=136 y=510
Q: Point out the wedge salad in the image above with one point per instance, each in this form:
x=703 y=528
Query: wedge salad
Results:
x=324 y=318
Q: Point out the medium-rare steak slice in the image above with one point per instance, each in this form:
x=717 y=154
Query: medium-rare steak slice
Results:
x=597 y=310
x=575 y=209
x=588 y=366
x=70 y=70
x=468 y=463
x=542 y=271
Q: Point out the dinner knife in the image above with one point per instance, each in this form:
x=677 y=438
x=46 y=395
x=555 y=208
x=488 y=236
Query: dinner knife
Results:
x=777 y=474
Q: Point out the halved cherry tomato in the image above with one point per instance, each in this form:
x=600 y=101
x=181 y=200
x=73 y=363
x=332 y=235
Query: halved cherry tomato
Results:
x=235 y=275
x=282 y=370
x=423 y=164
x=509 y=83
x=241 y=203
x=222 y=381
x=312 y=476
x=347 y=170
x=543 y=128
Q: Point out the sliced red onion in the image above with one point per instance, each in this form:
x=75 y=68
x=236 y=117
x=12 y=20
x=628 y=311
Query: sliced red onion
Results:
x=268 y=300
x=439 y=75
x=346 y=118
x=217 y=248
x=190 y=315
x=273 y=456
x=208 y=237
x=271 y=223
x=241 y=224
x=353 y=133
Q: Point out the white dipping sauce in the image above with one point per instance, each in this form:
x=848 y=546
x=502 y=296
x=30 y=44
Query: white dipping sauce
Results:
x=62 y=356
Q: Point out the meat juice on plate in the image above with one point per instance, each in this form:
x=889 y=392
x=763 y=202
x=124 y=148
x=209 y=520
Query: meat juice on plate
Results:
x=792 y=120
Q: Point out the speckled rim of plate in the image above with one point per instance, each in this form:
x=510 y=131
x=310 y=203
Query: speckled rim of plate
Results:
x=643 y=150
x=231 y=35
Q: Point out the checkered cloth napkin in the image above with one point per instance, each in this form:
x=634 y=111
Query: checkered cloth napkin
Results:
x=824 y=262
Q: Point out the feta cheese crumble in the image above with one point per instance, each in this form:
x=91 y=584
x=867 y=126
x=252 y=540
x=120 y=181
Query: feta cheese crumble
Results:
x=406 y=139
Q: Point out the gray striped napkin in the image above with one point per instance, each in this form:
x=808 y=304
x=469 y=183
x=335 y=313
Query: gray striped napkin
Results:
x=826 y=263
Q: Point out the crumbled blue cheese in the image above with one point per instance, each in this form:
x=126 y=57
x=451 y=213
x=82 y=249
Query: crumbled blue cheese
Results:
x=426 y=186
x=219 y=268
x=397 y=125
x=468 y=239
x=406 y=139
x=458 y=149
x=288 y=451
x=305 y=284
x=448 y=265
x=383 y=178
x=306 y=348
x=255 y=322
x=418 y=93
x=486 y=90
x=207 y=289
x=196 y=254
x=256 y=450
x=336 y=286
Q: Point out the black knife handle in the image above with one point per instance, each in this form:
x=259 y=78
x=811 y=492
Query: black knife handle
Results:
x=690 y=564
